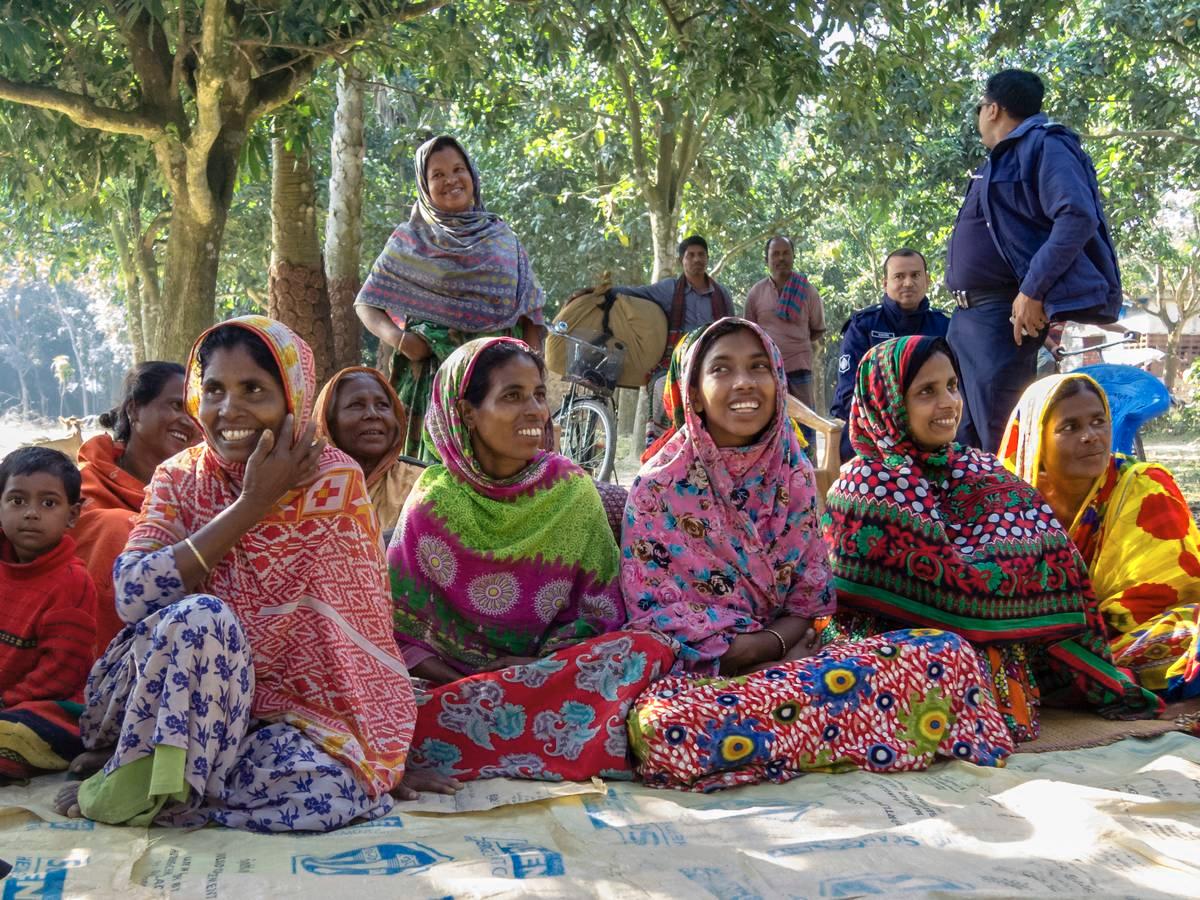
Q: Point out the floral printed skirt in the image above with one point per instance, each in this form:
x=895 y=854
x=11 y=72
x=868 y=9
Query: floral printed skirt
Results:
x=1164 y=652
x=890 y=703
x=183 y=677
x=560 y=718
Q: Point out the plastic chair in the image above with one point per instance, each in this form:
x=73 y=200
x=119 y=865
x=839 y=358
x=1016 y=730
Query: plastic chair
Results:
x=1134 y=396
x=827 y=464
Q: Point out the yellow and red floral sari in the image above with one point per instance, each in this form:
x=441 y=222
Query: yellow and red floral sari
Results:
x=1141 y=546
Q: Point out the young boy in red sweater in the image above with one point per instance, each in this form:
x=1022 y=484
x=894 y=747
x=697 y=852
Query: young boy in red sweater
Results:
x=47 y=614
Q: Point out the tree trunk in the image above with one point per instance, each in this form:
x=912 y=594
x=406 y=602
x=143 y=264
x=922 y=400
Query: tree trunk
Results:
x=343 y=224
x=133 y=289
x=297 y=294
x=641 y=415
x=1171 y=365
x=626 y=408
x=24 y=390
x=193 y=256
x=82 y=369
x=664 y=228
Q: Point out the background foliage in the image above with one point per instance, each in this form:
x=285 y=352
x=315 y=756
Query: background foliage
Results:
x=847 y=125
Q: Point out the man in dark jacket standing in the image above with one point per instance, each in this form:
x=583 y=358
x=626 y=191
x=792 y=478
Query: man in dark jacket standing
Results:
x=1030 y=245
x=904 y=310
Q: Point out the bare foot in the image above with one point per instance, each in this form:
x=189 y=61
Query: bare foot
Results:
x=417 y=780
x=66 y=801
x=89 y=762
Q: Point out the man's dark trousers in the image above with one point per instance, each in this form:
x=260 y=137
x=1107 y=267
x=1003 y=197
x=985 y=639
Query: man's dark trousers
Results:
x=994 y=370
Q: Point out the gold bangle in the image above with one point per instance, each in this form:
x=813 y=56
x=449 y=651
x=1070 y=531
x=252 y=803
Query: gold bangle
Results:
x=203 y=564
x=783 y=647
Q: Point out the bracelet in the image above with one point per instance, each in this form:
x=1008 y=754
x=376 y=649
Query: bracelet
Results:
x=783 y=647
x=204 y=565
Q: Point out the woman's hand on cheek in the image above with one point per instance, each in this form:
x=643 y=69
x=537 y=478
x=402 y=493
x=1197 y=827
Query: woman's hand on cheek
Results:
x=278 y=466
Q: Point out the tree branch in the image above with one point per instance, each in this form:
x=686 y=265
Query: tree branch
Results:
x=151 y=234
x=774 y=228
x=694 y=137
x=1164 y=133
x=353 y=32
x=668 y=121
x=211 y=74
x=274 y=90
x=635 y=127
x=183 y=48
x=82 y=111
x=403 y=90
x=151 y=59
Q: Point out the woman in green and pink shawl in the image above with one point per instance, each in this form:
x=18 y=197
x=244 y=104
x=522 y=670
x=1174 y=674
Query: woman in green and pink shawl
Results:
x=504 y=582
x=723 y=552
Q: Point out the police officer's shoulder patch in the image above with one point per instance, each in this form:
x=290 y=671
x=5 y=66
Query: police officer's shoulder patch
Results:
x=844 y=363
x=855 y=318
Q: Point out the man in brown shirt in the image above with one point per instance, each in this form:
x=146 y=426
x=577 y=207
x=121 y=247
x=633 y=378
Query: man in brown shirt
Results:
x=789 y=309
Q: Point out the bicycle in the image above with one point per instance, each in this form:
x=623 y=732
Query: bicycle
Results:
x=586 y=418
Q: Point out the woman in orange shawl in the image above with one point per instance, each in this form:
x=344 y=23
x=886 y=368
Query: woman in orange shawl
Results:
x=149 y=426
x=257 y=684
x=358 y=412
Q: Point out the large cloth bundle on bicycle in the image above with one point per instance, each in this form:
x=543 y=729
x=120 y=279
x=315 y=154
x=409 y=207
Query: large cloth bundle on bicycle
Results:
x=639 y=324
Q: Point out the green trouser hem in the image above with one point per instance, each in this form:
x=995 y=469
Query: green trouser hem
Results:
x=136 y=792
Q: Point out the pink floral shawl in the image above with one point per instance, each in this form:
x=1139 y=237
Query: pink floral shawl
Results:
x=720 y=542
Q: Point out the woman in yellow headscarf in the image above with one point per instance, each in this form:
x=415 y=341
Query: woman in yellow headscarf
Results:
x=1129 y=520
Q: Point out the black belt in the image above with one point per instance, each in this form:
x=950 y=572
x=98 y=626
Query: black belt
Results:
x=967 y=299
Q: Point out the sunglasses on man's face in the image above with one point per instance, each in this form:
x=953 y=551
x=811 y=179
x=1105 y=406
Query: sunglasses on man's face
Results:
x=980 y=105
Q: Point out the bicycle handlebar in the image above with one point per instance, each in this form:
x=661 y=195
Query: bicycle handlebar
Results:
x=560 y=329
x=1060 y=353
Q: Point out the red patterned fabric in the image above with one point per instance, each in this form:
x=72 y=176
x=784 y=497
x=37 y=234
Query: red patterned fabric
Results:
x=307 y=584
x=949 y=538
x=562 y=717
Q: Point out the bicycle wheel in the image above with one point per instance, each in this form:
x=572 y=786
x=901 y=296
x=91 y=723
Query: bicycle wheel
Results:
x=589 y=436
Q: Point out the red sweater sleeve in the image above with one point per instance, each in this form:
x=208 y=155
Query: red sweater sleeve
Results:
x=66 y=632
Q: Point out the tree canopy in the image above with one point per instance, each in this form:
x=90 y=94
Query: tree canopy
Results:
x=136 y=134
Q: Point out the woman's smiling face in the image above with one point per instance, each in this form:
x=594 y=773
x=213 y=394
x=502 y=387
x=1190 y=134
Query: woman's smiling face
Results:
x=363 y=423
x=239 y=400
x=508 y=426
x=736 y=389
x=933 y=403
x=450 y=184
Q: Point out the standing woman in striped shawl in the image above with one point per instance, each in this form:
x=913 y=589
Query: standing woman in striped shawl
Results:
x=451 y=273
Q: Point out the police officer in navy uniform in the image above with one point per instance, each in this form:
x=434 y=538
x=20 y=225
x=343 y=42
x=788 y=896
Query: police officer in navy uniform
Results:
x=904 y=310
x=1030 y=245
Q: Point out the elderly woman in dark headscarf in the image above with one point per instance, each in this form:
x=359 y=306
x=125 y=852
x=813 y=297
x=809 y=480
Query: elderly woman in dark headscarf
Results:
x=451 y=273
